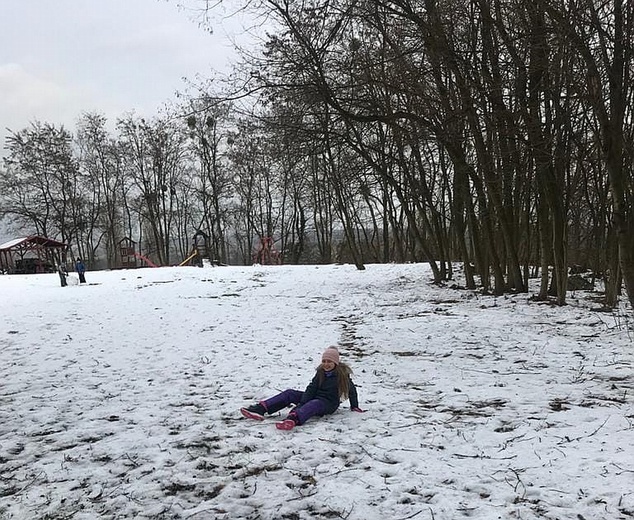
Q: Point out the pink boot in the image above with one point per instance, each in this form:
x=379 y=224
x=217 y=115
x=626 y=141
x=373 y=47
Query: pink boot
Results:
x=286 y=424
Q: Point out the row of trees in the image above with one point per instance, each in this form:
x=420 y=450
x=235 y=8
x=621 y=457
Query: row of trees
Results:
x=157 y=182
x=497 y=133
x=197 y=166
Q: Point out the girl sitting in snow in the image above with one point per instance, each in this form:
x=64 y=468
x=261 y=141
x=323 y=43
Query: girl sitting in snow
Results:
x=322 y=396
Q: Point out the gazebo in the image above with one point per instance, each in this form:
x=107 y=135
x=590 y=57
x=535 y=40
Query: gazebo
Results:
x=32 y=254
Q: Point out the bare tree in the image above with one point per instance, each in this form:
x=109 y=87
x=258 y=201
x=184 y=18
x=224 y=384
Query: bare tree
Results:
x=155 y=153
x=100 y=160
x=41 y=187
x=207 y=124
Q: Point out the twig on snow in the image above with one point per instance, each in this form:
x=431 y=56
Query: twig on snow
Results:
x=511 y=373
x=487 y=457
x=134 y=462
x=302 y=496
x=567 y=439
x=342 y=514
x=518 y=483
x=30 y=483
x=417 y=423
x=344 y=470
x=417 y=513
x=622 y=470
x=192 y=515
x=129 y=496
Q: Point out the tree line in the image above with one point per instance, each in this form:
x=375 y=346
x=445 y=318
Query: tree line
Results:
x=494 y=133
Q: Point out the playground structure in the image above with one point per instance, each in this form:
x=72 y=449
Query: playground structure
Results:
x=128 y=255
x=200 y=249
x=266 y=253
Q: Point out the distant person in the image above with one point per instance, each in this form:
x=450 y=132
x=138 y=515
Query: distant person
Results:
x=81 y=270
x=322 y=396
x=63 y=273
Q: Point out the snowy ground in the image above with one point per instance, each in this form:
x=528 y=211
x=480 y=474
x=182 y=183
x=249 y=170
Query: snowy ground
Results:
x=120 y=399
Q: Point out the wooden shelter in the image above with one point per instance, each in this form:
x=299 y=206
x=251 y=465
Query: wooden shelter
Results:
x=32 y=254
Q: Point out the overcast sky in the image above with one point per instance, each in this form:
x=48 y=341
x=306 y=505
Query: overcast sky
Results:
x=61 y=57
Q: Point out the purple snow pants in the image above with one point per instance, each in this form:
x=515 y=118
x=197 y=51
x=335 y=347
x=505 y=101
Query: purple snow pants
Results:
x=290 y=396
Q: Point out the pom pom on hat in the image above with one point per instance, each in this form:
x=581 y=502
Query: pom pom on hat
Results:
x=331 y=354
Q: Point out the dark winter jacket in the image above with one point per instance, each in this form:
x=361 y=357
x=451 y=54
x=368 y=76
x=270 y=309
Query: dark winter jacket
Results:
x=80 y=267
x=328 y=391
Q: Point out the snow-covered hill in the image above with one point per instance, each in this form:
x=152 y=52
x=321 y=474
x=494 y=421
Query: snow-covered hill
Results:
x=119 y=399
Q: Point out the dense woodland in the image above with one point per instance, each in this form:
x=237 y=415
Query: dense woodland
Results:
x=497 y=134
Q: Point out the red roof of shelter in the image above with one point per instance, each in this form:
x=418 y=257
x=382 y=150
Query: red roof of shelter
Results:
x=30 y=242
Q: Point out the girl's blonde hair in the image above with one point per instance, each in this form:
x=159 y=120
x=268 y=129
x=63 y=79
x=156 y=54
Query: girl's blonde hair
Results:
x=343 y=372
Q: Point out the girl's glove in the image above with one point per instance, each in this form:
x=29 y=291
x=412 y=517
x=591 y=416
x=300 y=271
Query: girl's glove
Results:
x=357 y=409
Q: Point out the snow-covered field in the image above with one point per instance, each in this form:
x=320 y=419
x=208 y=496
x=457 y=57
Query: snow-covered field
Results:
x=119 y=399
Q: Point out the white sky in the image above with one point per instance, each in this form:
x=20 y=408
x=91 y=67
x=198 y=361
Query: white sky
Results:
x=120 y=398
x=61 y=57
